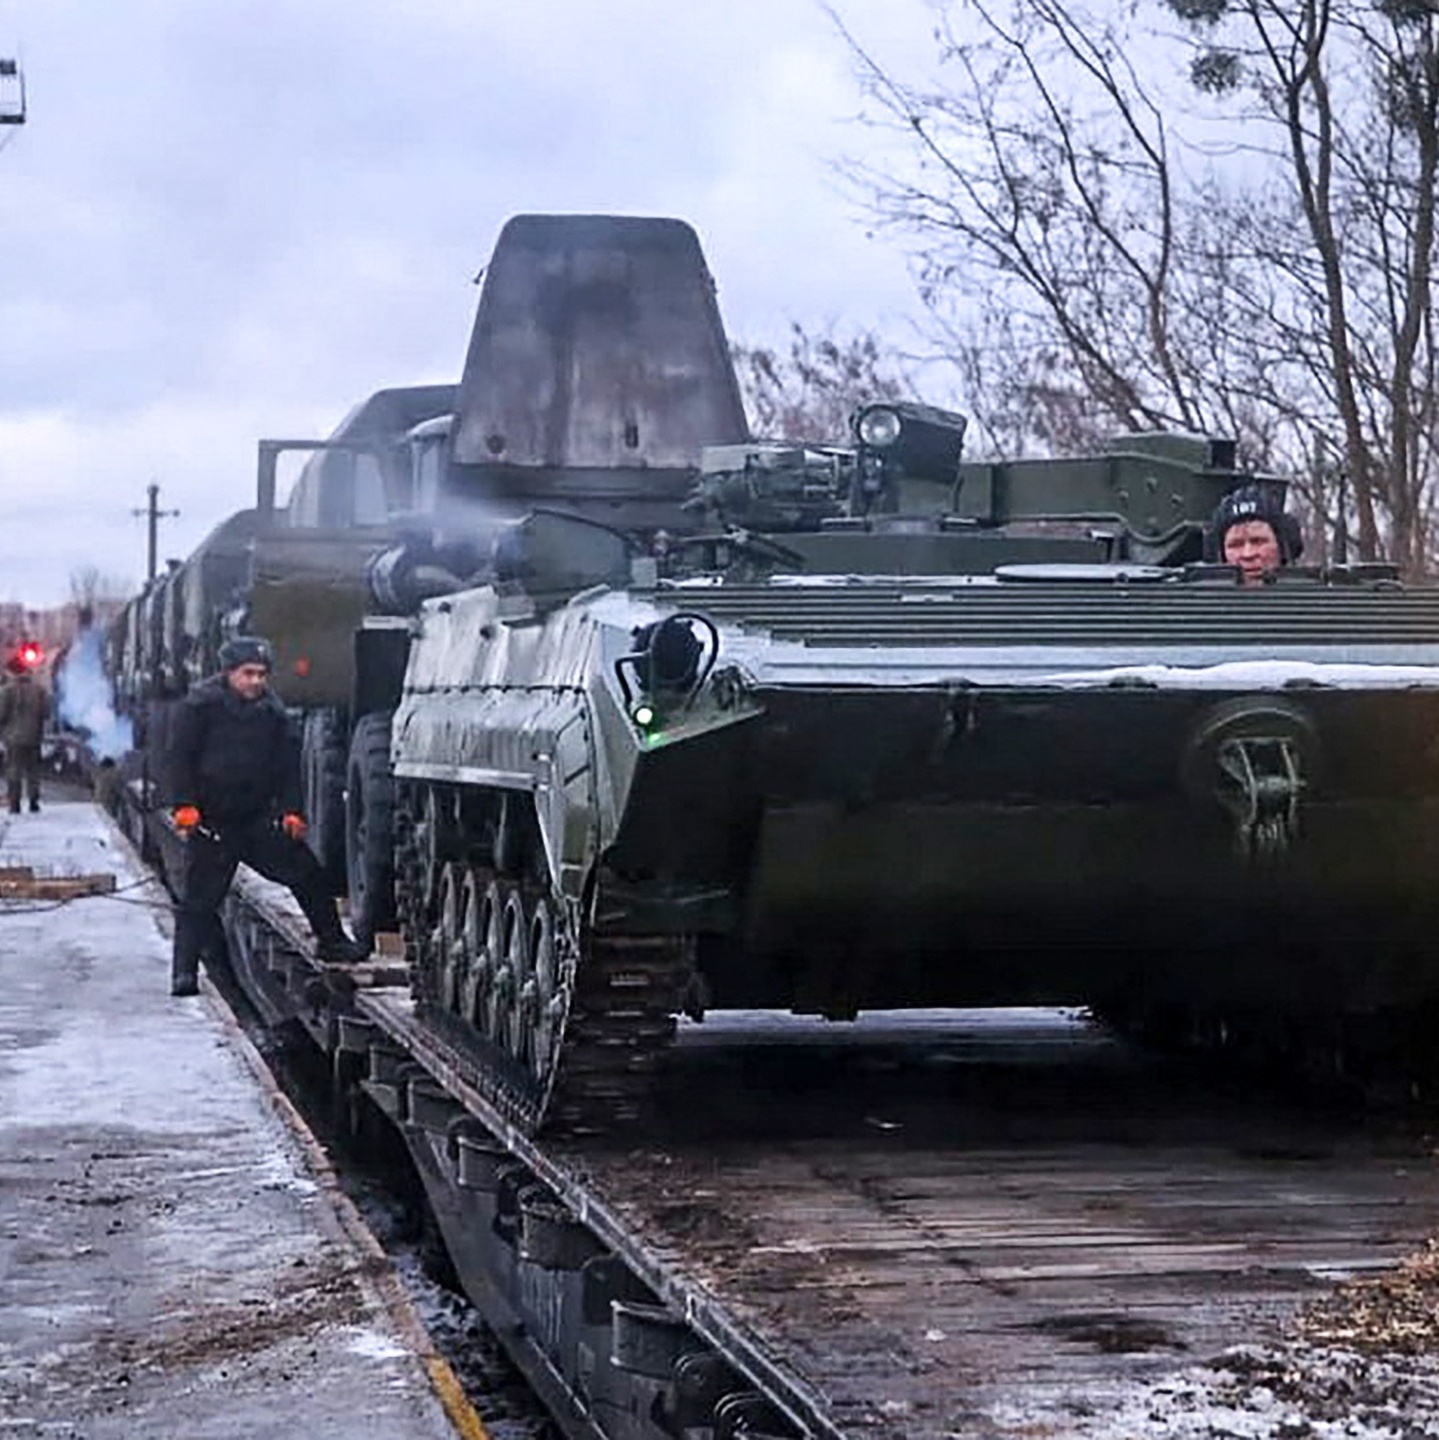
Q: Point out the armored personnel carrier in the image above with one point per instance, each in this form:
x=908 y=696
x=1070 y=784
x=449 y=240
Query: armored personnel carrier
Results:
x=894 y=730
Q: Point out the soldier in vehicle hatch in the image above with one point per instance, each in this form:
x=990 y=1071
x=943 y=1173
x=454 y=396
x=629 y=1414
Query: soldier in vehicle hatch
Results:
x=234 y=773
x=1252 y=533
x=23 y=708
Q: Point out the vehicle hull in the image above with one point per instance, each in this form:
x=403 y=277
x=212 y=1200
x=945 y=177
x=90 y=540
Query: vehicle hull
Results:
x=880 y=848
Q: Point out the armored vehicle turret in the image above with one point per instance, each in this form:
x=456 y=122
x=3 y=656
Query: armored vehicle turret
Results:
x=895 y=730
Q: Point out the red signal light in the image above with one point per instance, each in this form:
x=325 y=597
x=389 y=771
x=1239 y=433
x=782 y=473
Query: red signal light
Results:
x=30 y=655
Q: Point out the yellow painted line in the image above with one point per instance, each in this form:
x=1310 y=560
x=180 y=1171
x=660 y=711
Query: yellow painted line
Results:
x=463 y=1417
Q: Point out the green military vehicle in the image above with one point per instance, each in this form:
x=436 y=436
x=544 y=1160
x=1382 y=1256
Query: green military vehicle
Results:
x=894 y=730
x=300 y=565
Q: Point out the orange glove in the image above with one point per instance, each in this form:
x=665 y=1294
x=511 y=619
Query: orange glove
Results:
x=186 y=817
x=293 y=824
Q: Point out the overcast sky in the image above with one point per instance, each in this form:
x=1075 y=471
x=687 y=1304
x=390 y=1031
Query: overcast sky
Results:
x=230 y=219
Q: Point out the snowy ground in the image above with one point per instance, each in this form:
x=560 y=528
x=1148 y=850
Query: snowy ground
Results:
x=168 y=1267
x=1283 y=1392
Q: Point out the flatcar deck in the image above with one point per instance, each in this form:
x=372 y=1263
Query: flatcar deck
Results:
x=923 y=1288
x=927 y=1226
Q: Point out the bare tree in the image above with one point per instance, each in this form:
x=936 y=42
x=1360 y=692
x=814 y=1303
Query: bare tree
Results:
x=1345 y=95
x=1050 y=222
x=1257 y=263
x=810 y=390
x=91 y=586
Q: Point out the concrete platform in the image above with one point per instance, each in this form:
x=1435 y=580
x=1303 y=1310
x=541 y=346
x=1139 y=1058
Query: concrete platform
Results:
x=168 y=1265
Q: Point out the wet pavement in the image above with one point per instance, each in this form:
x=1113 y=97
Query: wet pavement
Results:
x=168 y=1265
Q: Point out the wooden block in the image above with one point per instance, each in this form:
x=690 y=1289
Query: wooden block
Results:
x=370 y=974
x=55 y=887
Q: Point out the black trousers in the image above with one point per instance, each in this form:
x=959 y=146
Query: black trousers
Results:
x=209 y=866
x=22 y=770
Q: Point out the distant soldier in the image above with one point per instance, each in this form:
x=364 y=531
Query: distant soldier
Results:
x=24 y=706
x=234 y=772
x=1254 y=534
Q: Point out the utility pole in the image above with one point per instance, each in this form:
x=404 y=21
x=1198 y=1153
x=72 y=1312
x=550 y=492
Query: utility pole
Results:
x=154 y=515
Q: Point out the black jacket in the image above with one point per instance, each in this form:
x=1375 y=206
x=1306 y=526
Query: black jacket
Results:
x=237 y=760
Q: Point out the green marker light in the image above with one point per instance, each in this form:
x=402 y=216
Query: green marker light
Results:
x=643 y=714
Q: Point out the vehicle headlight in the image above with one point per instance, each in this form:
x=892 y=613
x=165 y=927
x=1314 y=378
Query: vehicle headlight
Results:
x=878 y=426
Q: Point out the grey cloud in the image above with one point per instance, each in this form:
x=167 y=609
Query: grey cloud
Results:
x=261 y=211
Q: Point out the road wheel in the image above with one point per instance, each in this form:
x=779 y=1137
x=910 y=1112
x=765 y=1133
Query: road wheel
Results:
x=515 y=968
x=543 y=1005
x=449 y=936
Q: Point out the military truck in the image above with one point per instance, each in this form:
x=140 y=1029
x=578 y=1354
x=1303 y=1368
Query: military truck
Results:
x=338 y=514
x=892 y=729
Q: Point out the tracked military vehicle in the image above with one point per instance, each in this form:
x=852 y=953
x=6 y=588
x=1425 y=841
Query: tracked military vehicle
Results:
x=896 y=730
x=597 y=367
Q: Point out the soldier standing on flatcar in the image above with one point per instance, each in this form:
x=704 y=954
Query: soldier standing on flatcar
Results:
x=24 y=706
x=234 y=790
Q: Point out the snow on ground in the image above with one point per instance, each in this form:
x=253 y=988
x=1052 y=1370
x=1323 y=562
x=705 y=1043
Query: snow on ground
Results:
x=167 y=1270
x=1282 y=1392
x=169 y=1267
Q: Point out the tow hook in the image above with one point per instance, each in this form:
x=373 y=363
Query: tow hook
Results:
x=1260 y=783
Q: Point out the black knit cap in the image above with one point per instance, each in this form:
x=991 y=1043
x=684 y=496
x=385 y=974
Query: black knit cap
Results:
x=246 y=650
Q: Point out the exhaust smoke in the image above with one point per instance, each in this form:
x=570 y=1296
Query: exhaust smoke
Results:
x=82 y=699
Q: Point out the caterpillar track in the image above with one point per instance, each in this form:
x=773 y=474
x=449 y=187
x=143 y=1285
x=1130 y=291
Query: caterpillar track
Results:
x=620 y=1023
x=554 y=1030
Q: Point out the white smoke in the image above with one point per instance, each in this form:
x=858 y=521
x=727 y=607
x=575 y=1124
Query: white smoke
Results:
x=82 y=699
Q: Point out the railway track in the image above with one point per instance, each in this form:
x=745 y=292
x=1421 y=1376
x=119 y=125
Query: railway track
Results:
x=932 y=1226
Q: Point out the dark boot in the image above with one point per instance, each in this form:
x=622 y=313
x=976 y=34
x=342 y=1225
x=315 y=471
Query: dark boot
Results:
x=332 y=945
x=190 y=931
x=341 y=950
x=34 y=806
